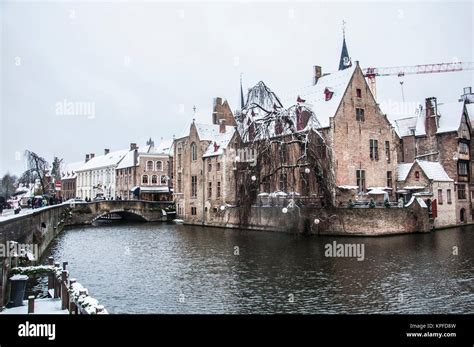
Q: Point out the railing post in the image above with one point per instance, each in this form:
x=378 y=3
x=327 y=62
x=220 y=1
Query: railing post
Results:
x=64 y=290
x=31 y=304
x=81 y=292
x=57 y=284
x=71 y=303
x=65 y=263
x=50 y=276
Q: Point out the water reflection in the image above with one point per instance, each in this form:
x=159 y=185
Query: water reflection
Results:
x=162 y=268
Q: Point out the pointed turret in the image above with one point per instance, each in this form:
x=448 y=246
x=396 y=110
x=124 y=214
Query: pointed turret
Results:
x=345 y=60
x=242 y=102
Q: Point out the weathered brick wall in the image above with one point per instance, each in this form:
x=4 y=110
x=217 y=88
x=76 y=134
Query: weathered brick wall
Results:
x=351 y=138
x=356 y=221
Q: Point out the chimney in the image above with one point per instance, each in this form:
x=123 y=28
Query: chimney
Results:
x=222 y=126
x=431 y=122
x=87 y=158
x=133 y=146
x=106 y=151
x=317 y=74
x=92 y=155
x=467 y=95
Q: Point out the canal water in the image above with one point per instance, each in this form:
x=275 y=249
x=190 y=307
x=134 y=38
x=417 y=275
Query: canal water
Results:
x=167 y=268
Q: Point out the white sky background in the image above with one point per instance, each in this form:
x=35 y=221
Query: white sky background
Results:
x=188 y=53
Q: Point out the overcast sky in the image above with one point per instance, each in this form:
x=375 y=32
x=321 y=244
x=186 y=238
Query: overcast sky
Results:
x=142 y=66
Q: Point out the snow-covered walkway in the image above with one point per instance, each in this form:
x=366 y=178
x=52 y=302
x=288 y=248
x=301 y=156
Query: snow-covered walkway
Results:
x=42 y=306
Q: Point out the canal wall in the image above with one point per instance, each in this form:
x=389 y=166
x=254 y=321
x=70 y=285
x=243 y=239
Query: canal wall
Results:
x=317 y=221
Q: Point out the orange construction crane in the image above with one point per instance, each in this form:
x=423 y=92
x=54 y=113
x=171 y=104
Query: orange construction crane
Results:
x=400 y=71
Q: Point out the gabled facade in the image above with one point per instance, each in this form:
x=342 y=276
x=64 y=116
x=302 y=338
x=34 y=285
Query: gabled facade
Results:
x=428 y=180
x=203 y=171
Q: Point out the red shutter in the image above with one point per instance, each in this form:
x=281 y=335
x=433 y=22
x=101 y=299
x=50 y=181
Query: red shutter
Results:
x=434 y=208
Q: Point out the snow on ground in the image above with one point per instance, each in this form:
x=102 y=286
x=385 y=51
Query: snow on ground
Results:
x=9 y=214
x=42 y=306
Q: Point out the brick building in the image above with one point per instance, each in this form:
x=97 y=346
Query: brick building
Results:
x=203 y=167
x=342 y=112
x=429 y=181
x=68 y=180
x=441 y=132
x=144 y=173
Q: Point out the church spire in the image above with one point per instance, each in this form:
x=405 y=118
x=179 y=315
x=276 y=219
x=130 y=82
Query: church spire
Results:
x=242 y=103
x=345 y=60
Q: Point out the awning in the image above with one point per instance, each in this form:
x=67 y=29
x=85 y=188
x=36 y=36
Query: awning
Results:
x=135 y=190
x=154 y=189
x=348 y=187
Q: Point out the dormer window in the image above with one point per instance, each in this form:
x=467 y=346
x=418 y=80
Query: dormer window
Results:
x=328 y=93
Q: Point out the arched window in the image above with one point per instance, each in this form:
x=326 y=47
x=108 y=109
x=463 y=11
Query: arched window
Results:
x=159 y=165
x=154 y=179
x=145 y=179
x=193 y=151
x=149 y=165
x=163 y=179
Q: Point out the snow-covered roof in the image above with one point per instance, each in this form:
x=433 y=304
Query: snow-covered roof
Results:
x=69 y=170
x=315 y=96
x=111 y=159
x=127 y=161
x=470 y=111
x=220 y=142
x=165 y=146
x=432 y=169
x=450 y=116
x=411 y=123
x=403 y=170
x=210 y=132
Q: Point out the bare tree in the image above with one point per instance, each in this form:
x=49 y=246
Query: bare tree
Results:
x=7 y=185
x=288 y=147
x=37 y=169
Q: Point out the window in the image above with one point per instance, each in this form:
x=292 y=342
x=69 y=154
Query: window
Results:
x=193 y=211
x=159 y=165
x=163 y=180
x=154 y=179
x=412 y=131
x=218 y=167
x=180 y=182
x=448 y=196
x=374 y=150
x=440 y=196
x=266 y=184
x=461 y=191
x=209 y=190
x=462 y=168
x=179 y=160
x=360 y=114
x=193 y=186
x=283 y=182
x=193 y=151
x=463 y=148
x=145 y=179
x=387 y=150
x=358 y=92
x=209 y=165
x=360 y=177
x=283 y=153
x=149 y=165
x=389 y=179
x=218 y=189
x=304 y=183
x=417 y=175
